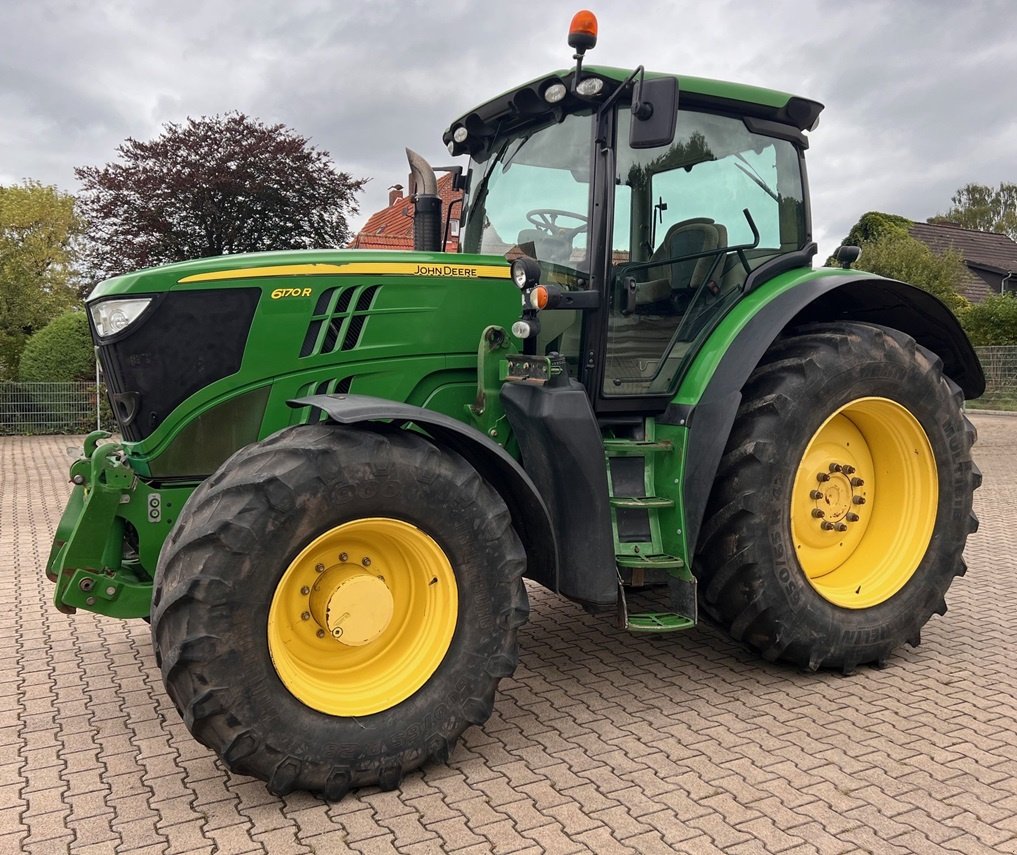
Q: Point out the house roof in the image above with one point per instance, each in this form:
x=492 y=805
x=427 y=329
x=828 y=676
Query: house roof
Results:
x=392 y=227
x=988 y=256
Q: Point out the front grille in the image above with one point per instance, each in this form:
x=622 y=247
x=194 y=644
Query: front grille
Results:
x=338 y=320
x=187 y=340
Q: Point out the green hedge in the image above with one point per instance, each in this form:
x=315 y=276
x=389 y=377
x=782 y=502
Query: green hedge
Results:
x=61 y=352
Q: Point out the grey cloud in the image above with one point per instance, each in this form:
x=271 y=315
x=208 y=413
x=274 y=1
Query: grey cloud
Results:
x=918 y=94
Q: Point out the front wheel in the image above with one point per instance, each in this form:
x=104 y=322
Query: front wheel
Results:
x=842 y=504
x=335 y=606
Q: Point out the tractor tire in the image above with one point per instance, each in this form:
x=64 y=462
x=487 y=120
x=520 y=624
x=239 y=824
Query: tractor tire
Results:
x=335 y=606
x=843 y=500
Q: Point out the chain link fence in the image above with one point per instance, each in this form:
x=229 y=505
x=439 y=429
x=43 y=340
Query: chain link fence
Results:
x=1000 y=366
x=48 y=408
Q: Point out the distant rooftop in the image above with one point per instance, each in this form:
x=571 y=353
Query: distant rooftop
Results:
x=989 y=256
x=392 y=227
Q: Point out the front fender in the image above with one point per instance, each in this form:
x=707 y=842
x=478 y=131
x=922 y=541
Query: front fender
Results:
x=803 y=296
x=530 y=516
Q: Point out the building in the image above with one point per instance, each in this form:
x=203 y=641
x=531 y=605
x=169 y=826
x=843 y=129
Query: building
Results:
x=990 y=259
x=392 y=227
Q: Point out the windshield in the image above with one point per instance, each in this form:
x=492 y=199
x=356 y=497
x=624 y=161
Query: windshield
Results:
x=532 y=191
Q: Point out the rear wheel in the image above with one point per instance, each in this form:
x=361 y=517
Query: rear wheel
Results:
x=335 y=606
x=843 y=501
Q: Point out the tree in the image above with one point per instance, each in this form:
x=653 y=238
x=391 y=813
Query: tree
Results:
x=212 y=186
x=984 y=209
x=889 y=250
x=38 y=228
x=874 y=225
x=900 y=256
x=60 y=352
x=994 y=321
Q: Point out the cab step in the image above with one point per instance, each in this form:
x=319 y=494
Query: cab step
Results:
x=682 y=599
x=641 y=502
x=635 y=447
x=658 y=622
x=661 y=562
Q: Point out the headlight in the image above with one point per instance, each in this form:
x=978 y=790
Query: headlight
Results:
x=555 y=93
x=525 y=272
x=590 y=86
x=113 y=316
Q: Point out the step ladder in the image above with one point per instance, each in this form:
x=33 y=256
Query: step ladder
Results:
x=635 y=522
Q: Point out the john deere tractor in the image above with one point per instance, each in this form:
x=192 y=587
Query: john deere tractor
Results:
x=337 y=467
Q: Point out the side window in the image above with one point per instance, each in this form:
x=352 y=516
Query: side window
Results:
x=682 y=243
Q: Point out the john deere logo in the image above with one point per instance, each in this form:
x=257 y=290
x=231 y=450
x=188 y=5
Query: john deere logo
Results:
x=444 y=270
x=279 y=293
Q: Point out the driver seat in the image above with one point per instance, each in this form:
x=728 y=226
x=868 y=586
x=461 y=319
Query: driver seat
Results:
x=688 y=237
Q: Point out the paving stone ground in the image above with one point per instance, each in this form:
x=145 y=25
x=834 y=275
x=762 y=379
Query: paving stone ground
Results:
x=601 y=742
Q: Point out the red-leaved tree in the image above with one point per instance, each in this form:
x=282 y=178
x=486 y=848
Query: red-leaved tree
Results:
x=212 y=186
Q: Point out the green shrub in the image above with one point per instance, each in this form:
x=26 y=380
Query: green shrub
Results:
x=899 y=256
x=60 y=352
x=993 y=322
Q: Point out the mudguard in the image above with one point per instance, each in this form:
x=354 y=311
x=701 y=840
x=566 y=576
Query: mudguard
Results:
x=530 y=516
x=562 y=446
x=847 y=296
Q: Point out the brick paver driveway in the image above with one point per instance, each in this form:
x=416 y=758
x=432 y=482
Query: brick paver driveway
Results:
x=601 y=742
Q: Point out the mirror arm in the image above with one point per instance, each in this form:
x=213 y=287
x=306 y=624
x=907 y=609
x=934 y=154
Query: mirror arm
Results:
x=640 y=109
x=621 y=88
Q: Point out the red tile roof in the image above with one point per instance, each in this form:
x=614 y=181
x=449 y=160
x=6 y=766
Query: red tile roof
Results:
x=392 y=227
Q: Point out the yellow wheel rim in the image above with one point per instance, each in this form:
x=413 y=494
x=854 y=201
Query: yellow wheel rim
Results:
x=863 y=504
x=363 y=617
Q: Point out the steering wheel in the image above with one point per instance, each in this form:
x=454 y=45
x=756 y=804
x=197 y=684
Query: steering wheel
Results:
x=546 y=219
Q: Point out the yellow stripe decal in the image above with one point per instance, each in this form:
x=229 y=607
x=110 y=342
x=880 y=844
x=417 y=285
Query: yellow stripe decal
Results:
x=410 y=268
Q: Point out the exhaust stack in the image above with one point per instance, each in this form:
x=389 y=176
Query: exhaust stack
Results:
x=426 y=204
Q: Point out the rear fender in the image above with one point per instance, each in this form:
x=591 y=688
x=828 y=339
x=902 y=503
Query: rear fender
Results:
x=823 y=297
x=530 y=516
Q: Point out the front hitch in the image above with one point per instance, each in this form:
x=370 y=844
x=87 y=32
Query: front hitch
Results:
x=93 y=562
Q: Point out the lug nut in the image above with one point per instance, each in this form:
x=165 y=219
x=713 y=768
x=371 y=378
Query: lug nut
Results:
x=849 y=470
x=305 y=590
x=822 y=476
x=320 y=633
x=827 y=525
x=818 y=513
x=815 y=494
x=366 y=562
x=852 y=517
x=858 y=500
x=857 y=482
x=841 y=526
x=835 y=467
x=305 y=616
x=343 y=556
x=319 y=568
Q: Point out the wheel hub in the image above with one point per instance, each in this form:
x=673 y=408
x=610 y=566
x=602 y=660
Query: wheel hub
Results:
x=837 y=497
x=351 y=605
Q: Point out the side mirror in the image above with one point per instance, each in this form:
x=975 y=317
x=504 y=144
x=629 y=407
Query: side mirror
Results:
x=847 y=255
x=654 y=113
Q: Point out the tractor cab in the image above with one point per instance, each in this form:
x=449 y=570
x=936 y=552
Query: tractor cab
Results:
x=662 y=203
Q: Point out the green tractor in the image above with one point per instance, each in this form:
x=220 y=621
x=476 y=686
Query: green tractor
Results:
x=337 y=467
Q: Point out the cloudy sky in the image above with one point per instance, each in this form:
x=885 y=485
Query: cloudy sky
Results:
x=919 y=94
